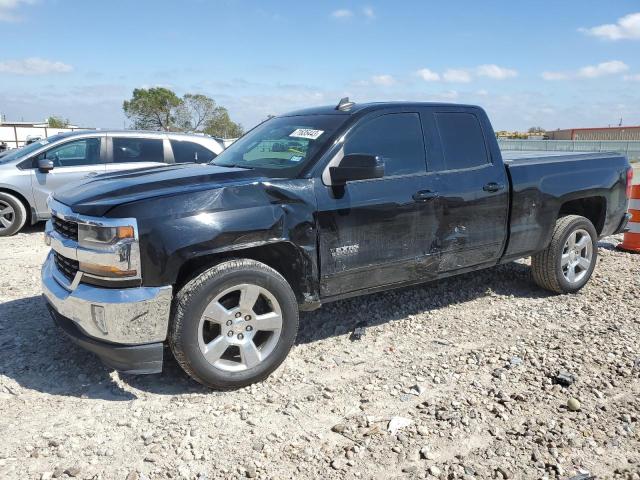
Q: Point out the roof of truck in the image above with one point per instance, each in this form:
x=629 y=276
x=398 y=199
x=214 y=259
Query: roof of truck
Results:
x=360 y=107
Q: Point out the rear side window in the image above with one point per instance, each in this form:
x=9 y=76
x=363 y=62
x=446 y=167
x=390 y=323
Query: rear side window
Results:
x=396 y=137
x=191 y=152
x=129 y=149
x=462 y=140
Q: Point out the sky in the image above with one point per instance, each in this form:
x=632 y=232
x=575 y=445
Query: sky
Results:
x=554 y=64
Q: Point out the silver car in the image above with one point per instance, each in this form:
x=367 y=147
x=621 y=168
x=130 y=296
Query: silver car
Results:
x=29 y=174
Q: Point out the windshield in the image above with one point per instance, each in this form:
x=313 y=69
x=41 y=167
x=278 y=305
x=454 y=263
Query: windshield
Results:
x=27 y=149
x=282 y=146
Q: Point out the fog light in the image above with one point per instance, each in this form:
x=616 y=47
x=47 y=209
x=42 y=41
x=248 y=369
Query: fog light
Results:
x=97 y=314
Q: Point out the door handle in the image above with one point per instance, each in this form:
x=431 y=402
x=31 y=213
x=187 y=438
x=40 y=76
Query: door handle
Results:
x=91 y=174
x=493 y=187
x=425 y=196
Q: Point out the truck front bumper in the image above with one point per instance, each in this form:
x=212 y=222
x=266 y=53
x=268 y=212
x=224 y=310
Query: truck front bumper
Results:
x=125 y=327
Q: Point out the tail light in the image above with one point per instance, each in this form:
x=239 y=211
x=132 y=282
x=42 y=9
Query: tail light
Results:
x=629 y=181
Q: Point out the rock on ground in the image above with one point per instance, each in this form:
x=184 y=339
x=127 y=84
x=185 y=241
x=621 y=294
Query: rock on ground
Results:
x=486 y=349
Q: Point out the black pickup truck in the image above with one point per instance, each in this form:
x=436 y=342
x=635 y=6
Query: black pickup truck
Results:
x=216 y=260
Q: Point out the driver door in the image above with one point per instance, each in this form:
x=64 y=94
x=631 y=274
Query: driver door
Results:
x=379 y=231
x=72 y=161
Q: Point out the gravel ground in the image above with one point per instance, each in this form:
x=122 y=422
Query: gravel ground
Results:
x=479 y=376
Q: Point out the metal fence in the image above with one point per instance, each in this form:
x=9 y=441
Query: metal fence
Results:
x=629 y=148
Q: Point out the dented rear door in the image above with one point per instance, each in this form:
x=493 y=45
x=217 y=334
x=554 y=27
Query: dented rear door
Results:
x=472 y=185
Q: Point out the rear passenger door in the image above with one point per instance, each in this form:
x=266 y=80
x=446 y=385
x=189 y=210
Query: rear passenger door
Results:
x=472 y=186
x=129 y=152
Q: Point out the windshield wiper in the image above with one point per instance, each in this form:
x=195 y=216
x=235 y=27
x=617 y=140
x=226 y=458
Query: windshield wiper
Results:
x=232 y=166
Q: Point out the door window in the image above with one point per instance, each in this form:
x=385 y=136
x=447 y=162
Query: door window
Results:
x=396 y=138
x=130 y=149
x=462 y=140
x=75 y=154
x=187 y=152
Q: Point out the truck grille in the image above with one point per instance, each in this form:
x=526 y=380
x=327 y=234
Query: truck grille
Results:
x=65 y=228
x=67 y=267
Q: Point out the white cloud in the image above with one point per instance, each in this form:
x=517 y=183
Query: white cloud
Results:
x=342 y=14
x=383 y=80
x=551 y=76
x=428 y=75
x=632 y=78
x=34 y=66
x=456 y=75
x=602 y=69
x=627 y=27
x=496 y=72
x=8 y=9
x=611 y=67
x=369 y=13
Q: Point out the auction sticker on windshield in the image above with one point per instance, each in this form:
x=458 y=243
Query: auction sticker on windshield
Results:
x=306 y=133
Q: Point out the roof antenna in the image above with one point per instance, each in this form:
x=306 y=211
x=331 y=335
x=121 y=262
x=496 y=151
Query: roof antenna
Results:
x=344 y=105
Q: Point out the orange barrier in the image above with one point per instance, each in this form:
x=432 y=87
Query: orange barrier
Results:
x=631 y=241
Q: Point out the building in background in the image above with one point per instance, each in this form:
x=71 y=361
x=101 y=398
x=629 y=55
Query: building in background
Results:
x=16 y=134
x=604 y=133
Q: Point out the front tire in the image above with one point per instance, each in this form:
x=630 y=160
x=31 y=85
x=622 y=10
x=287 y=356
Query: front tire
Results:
x=13 y=214
x=234 y=324
x=566 y=265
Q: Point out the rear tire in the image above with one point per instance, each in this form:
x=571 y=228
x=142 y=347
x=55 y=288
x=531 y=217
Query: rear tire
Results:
x=13 y=214
x=566 y=265
x=233 y=324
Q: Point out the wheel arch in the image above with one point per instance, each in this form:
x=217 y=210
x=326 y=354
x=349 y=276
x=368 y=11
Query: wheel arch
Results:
x=593 y=208
x=283 y=256
x=27 y=206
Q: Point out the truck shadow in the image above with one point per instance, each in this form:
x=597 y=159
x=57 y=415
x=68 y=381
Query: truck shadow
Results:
x=38 y=356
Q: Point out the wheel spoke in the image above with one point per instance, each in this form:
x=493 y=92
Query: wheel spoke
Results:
x=5 y=223
x=571 y=273
x=6 y=211
x=583 y=242
x=571 y=241
x=584 y=263
x=216 y=313
x=248 y=297
x=250 y=354
x=269 y=321
x=214 y=349
x=564 y=260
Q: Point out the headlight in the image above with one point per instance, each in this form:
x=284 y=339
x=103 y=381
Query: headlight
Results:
x=92 y=236
x=111 y=251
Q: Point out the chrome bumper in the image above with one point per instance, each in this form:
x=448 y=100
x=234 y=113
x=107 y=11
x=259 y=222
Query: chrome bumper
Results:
x=128 y=316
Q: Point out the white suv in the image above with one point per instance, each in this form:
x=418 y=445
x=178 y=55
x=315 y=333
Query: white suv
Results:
x=29 y=174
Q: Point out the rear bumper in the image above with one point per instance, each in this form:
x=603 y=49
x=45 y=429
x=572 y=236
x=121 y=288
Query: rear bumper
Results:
x=623 y=227
x=135 y=359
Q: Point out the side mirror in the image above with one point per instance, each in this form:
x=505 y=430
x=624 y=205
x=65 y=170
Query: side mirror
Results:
x=45 y=165
x=357 y=166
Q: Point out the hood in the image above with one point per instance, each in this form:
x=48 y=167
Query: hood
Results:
x=97 y=196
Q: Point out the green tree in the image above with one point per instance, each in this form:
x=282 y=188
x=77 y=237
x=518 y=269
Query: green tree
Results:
x=221 y=125
x=161 y=109
x=57 y=122
x=153 y=109
x=195 y=111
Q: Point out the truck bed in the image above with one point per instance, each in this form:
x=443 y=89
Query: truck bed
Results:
x=542 y=182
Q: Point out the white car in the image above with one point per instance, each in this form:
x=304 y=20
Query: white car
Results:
x=29 y=174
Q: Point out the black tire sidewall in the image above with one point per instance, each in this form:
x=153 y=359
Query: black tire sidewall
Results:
x=19 y=214
x=204 y=294
x=578 y=224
